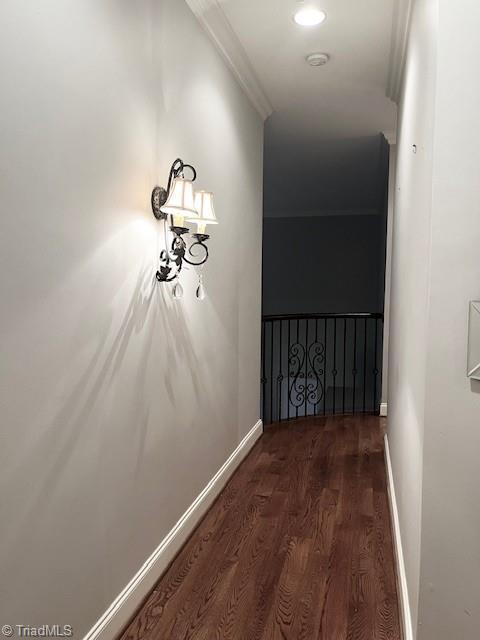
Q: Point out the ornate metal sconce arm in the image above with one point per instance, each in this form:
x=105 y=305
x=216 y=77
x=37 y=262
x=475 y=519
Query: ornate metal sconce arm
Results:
x=172 y=261
x=200 y=239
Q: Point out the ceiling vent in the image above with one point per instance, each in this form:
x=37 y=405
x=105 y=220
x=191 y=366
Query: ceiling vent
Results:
x=317 y=59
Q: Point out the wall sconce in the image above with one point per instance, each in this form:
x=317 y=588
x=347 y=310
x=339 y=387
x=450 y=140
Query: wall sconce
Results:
x=182 y=203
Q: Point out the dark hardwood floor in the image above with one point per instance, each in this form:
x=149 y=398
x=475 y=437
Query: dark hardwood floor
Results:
x=297 y=546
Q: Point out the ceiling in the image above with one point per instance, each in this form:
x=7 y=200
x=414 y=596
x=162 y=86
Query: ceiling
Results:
x=323 y=124
x=345 y=98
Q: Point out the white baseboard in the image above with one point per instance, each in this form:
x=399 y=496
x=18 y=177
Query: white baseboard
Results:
x=383 y=410
x=402 y=587
x=126 y=604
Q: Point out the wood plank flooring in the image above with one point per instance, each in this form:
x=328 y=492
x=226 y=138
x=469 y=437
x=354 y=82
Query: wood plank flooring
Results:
x=297 y=547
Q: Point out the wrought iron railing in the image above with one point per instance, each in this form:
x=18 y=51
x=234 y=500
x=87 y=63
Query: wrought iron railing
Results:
x=320 y=364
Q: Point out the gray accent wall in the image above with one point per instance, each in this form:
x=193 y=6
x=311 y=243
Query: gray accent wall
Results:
x=332 y=264
x=325 y=220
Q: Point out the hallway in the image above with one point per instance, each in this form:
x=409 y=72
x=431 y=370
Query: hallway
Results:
x=297 y=546
x=236 y=237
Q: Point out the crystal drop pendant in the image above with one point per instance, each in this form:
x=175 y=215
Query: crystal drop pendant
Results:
x=201 y=289
x=201 y=292
x=178 y=291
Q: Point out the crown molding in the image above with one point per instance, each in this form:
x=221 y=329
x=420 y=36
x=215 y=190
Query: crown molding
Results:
x=213 y=19
x=400 y=25
x=390 y=137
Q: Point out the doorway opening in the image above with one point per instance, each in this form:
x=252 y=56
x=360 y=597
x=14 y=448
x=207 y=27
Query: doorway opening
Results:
x=324 y=257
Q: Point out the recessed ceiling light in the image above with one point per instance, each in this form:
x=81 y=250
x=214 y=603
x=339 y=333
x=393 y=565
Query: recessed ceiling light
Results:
x=309 y=17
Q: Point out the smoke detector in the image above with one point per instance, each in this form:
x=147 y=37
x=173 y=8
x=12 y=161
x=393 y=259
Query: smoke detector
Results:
x=317 y=59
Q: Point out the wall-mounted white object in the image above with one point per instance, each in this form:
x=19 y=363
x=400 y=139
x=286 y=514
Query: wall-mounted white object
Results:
x=180 y=201
x=205 y=211
x=473 y=365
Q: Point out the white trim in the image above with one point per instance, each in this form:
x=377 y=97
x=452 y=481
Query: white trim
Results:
x=400 y=24
x=402 y=586
x=126 y=604
x=213 y=19
x=390 y=137
x=384 y=410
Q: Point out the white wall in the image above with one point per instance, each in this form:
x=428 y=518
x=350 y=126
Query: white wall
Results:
x=410 y=284
x=118 y=404
x=434 y=426
x=449 y=587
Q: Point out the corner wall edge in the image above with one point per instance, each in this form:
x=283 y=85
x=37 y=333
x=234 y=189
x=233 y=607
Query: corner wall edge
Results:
x=399 y=38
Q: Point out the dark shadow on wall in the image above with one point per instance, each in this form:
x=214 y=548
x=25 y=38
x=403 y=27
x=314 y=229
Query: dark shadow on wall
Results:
x=475 y=386
x=58 y=442
x=82 y=401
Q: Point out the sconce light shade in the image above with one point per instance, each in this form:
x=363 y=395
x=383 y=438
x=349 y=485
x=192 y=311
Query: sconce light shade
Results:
x=206 y=212
x=181 y=202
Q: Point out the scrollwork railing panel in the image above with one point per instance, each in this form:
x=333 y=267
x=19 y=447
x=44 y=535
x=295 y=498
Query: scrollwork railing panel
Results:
x=296 y=361
x=321 y=365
